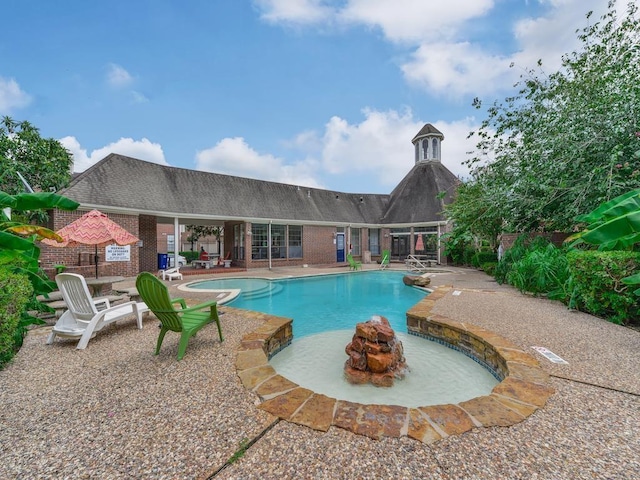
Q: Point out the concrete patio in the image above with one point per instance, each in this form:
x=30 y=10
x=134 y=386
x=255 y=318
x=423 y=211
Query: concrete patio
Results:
x=115 y=410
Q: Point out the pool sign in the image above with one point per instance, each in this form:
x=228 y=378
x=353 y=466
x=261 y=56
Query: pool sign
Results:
x=118 y=253
x=552 y=357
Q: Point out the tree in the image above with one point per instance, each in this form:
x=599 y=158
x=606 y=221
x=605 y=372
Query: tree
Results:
x=43 y=162
x=568 y=141
x=197 y=232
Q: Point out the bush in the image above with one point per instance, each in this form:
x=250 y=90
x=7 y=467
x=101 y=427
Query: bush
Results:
x=489 y=268
x=596 y=285
x=190 y=256
x=542 y=270
x=483 y=257
x=467 y=255
x=16 y=293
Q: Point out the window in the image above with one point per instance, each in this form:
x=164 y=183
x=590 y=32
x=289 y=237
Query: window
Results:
x=278 y=241
x=355 y=241
x=417 y=151
x=374 y=241
x=258 y=241
x=238 y=242
x=434 y=148
x=425 y=149
x=295 y=241
x=171 y=243
x=283 y=238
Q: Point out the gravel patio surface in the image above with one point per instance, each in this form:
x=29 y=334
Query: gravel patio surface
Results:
x=117 y=411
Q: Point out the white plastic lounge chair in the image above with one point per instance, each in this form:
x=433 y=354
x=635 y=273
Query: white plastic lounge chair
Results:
x=84 y=318
x=171 y=274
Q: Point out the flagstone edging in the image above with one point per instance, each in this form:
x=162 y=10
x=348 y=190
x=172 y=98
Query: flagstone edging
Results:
x=524 y=387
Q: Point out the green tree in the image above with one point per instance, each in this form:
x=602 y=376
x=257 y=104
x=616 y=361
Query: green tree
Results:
x=569 y=140
x=43 y=162
x=196 y=232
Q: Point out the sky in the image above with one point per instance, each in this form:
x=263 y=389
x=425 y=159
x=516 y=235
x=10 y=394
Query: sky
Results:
x=319 y=93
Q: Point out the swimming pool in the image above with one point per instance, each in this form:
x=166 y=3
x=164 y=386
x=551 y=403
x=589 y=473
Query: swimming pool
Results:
x=325 y=310
x=327 y=302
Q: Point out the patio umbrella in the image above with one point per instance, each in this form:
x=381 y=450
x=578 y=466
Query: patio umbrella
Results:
x=93 y=228
x=419 y=244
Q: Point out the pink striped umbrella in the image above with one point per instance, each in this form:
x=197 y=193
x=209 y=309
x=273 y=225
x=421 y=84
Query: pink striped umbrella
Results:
x=93 y=228
x=419 y=244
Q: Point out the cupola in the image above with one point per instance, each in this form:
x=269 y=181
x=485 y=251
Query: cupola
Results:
x=427 y=144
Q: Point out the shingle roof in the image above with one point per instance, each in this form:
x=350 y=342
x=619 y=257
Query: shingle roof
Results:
x=123 y=183
x=428 y=129
x=415 y=199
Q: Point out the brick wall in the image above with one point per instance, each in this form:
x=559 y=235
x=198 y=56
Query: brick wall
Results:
x=148 y=260
x=556 y=238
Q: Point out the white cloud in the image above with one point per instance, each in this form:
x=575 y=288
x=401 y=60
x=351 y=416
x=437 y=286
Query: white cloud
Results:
x=118 y=77
x=138 y=97
x=294 y=11
x=141 y=149
x=382 y=143
x=378 y=148
x=233 y=156
x=12 y=96
x=443 y=60
x=414 y=20
x=456 y=70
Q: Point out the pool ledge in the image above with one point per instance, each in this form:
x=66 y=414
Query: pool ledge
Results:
x=524 y=387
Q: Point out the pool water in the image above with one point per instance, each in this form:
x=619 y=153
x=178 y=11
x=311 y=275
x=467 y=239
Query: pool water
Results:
x=436 y=374
x=325 y=310
x=327 y=302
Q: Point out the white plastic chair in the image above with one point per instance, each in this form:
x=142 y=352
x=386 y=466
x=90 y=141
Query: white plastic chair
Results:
x=83 y=319
x=171 y=274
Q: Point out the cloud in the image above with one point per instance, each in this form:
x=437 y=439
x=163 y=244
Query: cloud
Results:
x=12 y=96
x=301 y=12
x=443 y=60
x=381 y=143
x=457 y=70
x=141 y=149
x=233 y=156
x=414 y=20
x=377 y=149
x=118 y=77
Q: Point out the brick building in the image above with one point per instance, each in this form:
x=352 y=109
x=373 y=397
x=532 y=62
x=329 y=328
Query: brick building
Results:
x=266 y=224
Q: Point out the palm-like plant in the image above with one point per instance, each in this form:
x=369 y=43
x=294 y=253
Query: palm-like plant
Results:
x=614 y=225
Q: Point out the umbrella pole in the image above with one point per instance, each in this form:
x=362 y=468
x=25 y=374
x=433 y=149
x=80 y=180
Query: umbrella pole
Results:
x=95 y=260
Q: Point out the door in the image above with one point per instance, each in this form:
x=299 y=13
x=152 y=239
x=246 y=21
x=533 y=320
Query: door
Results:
x=340 y=247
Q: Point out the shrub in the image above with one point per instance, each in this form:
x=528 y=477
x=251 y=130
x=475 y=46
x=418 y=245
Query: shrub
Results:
x=517 y=251
x=542 y=270
x=489 y=268
x=597 y=287
x=467 y=255
x=15 y=295
x=482 y=257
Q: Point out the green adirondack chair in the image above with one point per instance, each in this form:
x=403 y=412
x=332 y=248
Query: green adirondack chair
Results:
x=353 y=265
x=185 y=320
x=385 y=258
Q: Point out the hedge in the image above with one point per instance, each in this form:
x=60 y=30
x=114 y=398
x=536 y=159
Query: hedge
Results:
x=15 y=294
x=596 y=285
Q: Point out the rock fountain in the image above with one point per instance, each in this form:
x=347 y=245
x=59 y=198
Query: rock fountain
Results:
x=375 y=354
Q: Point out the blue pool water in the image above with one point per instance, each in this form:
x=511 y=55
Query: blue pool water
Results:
x=325 y=310
x=328 y=302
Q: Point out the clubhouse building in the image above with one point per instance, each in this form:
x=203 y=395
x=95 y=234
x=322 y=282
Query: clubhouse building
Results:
x=266 y=224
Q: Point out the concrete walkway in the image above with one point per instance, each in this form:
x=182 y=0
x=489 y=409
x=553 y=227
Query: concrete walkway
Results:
x=117 y=411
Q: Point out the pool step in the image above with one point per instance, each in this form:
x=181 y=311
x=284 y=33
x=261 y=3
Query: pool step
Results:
x=272 y=288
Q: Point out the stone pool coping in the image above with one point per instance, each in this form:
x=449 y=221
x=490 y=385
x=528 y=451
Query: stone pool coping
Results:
x=524 y=388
